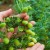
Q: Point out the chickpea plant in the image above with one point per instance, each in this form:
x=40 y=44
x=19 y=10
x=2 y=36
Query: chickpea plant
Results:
x=24 y=36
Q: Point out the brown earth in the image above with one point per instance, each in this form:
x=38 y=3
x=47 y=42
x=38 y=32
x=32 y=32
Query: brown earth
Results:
x=6 y=7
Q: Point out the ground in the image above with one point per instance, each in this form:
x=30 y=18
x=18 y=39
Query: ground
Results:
x=4 y=7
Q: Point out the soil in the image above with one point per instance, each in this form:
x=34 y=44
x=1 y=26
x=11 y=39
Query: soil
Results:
x=4 y=7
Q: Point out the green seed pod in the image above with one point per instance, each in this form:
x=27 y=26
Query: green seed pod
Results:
x=11 y=48
x=18 y=20
x=24 y=22
x=11 y=29
x=34 y=40
x=30 y=32
x=16 y=42
x=29 y=38
x=30 y=44
x=29 y=7
x=30 y=25
x=2 y=25
x=20 y=28
x=6 y=40
x=8 y=19
x=25 y=9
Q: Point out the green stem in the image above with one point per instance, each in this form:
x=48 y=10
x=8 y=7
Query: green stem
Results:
x=18 y=6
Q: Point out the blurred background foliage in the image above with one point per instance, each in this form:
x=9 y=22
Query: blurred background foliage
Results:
x=40 y=12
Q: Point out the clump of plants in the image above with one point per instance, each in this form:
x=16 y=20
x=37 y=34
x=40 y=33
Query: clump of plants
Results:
x=23 y=38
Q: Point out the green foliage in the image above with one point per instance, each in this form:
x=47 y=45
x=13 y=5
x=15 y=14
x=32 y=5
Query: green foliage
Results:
x=13 y=21
x=41 y=14
x=21 y=5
